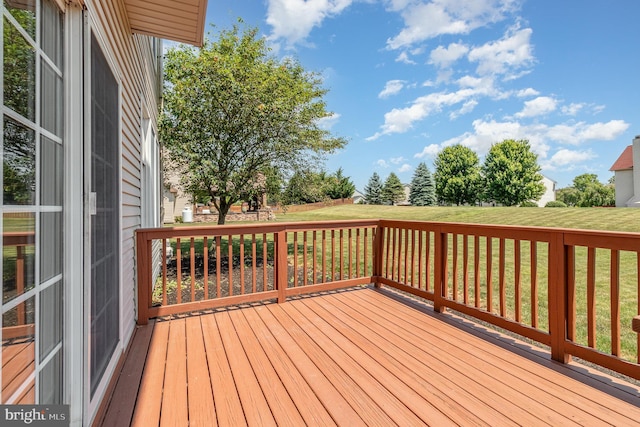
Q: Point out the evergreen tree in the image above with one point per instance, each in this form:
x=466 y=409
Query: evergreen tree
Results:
x=373 y=190
x=423 y=191
x=340 y=186
x=392 y=191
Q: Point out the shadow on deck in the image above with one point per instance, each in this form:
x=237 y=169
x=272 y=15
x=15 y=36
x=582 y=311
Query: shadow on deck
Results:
x=359 y=356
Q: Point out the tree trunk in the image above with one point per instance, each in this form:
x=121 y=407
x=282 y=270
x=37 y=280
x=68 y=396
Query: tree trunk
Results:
x=223 y=209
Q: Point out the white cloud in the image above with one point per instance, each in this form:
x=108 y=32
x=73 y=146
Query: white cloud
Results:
x=567 y=159
x=391 y=88
x=466 y=108
x=397 y=160
x=404 y=57
x=382 y=163
x=404 y=168
x=328 y=122
x=580 y=132
x=506 y=55
x=425 y=20
x=293 y=20
x=445 y=56
x=429 y=151
x=538 y=107
x=527 y=92
x=572 y=109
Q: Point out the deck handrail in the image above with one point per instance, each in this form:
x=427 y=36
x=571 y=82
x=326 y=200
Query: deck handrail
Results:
x=539 y=282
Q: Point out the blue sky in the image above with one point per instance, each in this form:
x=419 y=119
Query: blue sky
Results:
x=408 y=77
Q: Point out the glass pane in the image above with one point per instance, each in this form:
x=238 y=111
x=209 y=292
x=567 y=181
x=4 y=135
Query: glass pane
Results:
x=19 y=72
x=51 y=178
x=51 y=112
x=24 y=11
x=51 y=314
x=19 y=163
x=50 y=245
x=52 y=32
x=18 y=348
x=51 y=381
x=18 y=254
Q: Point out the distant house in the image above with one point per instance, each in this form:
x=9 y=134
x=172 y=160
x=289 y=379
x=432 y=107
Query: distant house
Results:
x=357 y=197
x=549 y=192
x=627 y=178
x=407 y=192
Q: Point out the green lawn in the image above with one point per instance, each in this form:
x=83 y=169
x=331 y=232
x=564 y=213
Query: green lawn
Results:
x=614 y=219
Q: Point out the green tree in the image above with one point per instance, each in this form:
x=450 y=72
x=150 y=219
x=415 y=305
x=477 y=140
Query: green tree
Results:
x=232 y=112
x=591 y=192
x=570 y=196
x=340 y=186
x=373 y=190
x=457 y=175
x=423 y=191
x=511 y=173
x=392 y=190
x=305 y=187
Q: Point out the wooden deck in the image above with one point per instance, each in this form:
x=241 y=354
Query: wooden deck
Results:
x=354 y=357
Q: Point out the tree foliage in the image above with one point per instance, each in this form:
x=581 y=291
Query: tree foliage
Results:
x=457 y=175
x=511 y=173
x=423 y=191
x=373 y=190
x=392 y=190
x=587 y=191
x=305 y=187
x=340 y=186
x=232 y=112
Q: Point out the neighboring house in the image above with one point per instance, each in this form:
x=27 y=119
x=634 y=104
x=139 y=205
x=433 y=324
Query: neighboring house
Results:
x=627 y=178
x=81 y=172
x=357 y=197
x=407 y=192
x=173 y=199
x=549 y=192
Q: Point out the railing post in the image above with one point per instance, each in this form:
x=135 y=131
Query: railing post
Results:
x=378 y=243
x=143 y=248
x=280 y=263
x=558 y=298
x=440 y=265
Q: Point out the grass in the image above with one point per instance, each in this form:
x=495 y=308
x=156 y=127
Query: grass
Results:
x=610 y=219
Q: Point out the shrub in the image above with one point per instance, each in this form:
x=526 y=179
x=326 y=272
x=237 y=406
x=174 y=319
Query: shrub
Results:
x=528 y=204
x=555 y=204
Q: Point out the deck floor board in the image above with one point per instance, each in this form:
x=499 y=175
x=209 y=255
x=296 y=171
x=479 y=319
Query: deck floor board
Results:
x=362 y=357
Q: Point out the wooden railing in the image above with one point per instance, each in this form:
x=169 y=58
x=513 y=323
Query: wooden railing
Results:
x=575 y=291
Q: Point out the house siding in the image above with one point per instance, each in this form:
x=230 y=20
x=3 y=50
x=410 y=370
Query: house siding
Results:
x=624 y=187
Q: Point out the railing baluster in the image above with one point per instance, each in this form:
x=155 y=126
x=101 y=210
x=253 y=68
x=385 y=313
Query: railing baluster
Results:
x=341 y=256
x=455 y=267
x=205 y=254
x=489 y=275
x=333 y=255
x=192 y=256
x=571 y=292
x=427 y=258
x=358 y=252
x=265 y=260
x=413 y=258
x=350 y=258
x=406 y=255
x=254 y=270
x=615 y=302
x=501 y=280
x=241 y=264
x=420 y=259
x=178 y=271
x=304 y=258
x=295 y=259
x=465 y=268
x=476 y=270
x=324 y=256
x=315 y=260
x=534 y=282
x=218 y=266
x=164 y=271
x=387 y=272
x=517 y=269
x=230 y=270
x=591 y=297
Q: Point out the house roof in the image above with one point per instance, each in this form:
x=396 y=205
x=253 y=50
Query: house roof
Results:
x=177 y=20
x=625 y=161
